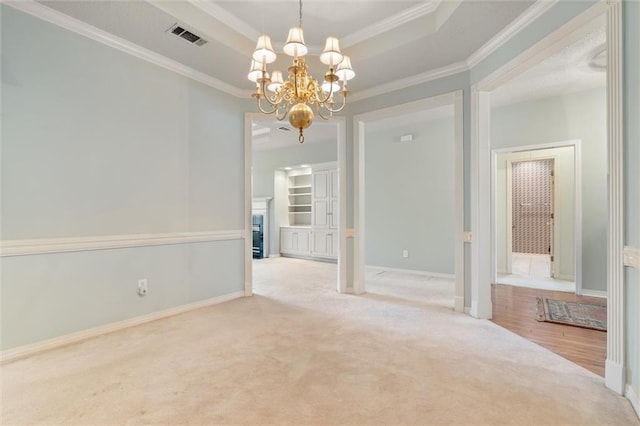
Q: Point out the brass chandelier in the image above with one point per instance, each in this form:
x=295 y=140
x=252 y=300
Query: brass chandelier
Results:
x=293 y=96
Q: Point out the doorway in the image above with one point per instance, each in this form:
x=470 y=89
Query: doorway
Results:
x=537 y=217
x=279 y=174
x=532 y=217
x=361 y=122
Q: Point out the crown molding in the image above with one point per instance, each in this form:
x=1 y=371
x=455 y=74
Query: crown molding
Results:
x=67 y=22
x=391 y=22
x=517 y=25
x=411 y=81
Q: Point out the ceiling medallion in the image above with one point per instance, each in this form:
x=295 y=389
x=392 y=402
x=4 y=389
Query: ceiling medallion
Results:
x=294 y=96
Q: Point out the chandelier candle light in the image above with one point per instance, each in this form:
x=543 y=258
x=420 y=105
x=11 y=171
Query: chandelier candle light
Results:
x=300 y=89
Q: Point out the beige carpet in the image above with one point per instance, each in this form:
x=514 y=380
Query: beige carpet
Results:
x=299 y=353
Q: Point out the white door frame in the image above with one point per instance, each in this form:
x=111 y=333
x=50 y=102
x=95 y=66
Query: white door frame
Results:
x=359 y=123
x=341 y=279
x=577 y=167
x=615 y=374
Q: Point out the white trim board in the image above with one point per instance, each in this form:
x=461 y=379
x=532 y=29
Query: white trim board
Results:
x=106 y=242
x=631 y=395
x=527 y=17
x=594 y=293
x=411 y=271
x=34 y=348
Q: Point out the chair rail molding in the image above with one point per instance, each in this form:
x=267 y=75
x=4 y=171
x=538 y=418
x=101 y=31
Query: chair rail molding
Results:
x=106 y=242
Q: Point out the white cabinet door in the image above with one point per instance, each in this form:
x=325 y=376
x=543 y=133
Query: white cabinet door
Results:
x=321 y=184
x=333 y=214
x=295 y=241
x=335 y=184
x=321 y=199
x=303 y=245
x=324 y=244
x=321 y=213
x=286 y=240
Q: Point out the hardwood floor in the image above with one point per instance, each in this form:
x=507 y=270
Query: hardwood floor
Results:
x=514 y=308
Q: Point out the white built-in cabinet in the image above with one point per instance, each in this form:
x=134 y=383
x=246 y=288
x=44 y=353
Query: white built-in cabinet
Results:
x=313 y=214
x=295 y=241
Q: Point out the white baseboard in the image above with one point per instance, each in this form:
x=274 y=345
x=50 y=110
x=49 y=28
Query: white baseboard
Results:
x=274 y=255
x=565 y=277
x=56 y=342
x=594 y=293
x=614 y=376
x=458 y=304
x=411 y=271
x=633 y=398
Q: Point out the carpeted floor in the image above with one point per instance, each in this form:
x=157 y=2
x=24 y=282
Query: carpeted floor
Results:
x=299 y=353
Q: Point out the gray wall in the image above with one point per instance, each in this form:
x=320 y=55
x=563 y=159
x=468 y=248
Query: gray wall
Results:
x=576 y=116
x=96 y=142
x=266 y=162
x=410 y=197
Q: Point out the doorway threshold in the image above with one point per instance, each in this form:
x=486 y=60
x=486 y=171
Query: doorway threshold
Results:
x=537 y=282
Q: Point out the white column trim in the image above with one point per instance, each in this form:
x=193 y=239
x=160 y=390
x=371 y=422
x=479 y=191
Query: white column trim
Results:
x=248 y=194
x=615 y=376
x=109 y=242
x=481 y=306
x=358 y=206
x=342 y=283
x=459 y=200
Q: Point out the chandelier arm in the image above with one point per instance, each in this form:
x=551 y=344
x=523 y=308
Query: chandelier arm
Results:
x=274 y=102
x=262 y=109
x=322 y=101
x=286 y=112
x=344 y=102
x=319 y=109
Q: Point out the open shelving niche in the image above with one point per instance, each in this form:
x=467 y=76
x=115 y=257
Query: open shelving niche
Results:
x=299 y=194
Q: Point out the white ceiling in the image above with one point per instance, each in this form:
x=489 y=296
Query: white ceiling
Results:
x=388 y=41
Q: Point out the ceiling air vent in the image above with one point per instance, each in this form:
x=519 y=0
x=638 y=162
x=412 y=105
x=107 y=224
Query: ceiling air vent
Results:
x=187 y=35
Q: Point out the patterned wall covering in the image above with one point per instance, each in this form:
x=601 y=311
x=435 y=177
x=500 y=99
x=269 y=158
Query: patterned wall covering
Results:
x=532 y=186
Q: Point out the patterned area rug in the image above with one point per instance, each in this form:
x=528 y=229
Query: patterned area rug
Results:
x=585 y=315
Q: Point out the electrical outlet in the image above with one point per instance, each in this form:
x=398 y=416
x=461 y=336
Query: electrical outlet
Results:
x=142 y=287
x=405 y=253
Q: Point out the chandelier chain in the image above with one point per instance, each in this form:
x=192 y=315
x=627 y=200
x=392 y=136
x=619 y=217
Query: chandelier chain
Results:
x=300 y=12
